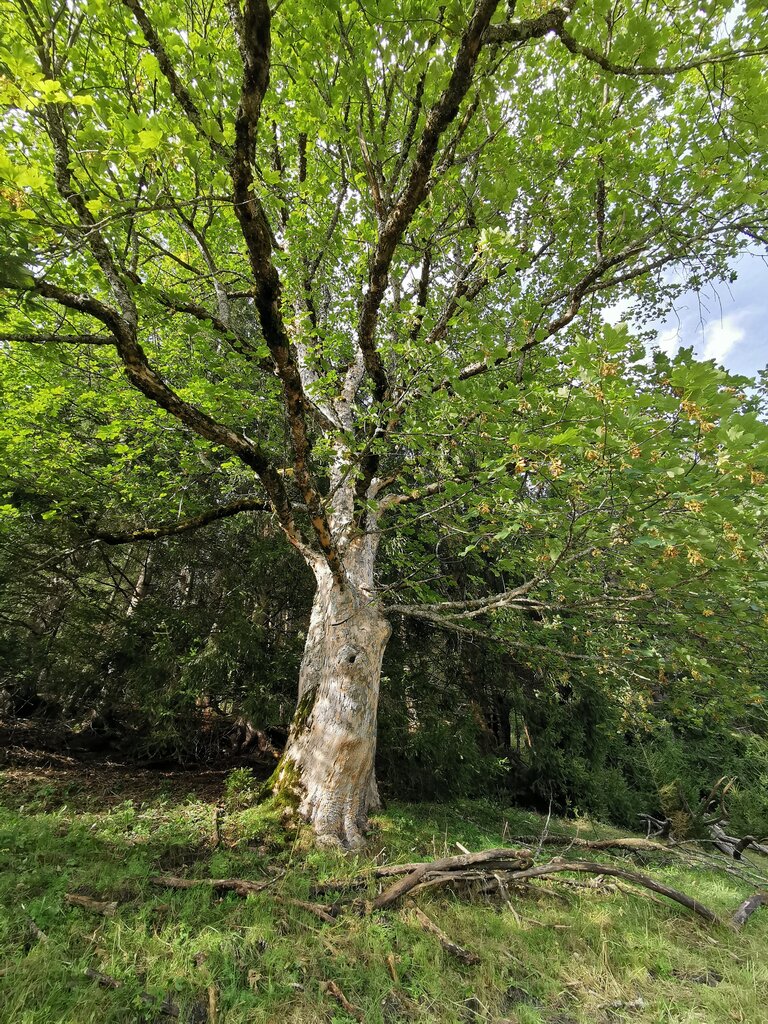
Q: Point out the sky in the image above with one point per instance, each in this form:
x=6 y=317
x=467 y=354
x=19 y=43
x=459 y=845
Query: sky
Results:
x=724 y=322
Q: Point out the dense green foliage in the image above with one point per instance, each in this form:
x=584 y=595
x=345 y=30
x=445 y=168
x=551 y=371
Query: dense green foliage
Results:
x=162 y=357
x=459 y=717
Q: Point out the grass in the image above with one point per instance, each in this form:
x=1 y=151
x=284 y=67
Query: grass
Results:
x=564 y=957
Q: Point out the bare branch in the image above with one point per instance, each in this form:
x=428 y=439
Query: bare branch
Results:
x=252 y=30
x=146 y=379
x=66 y=187
x=532 y=28
x=256 y=43
x=475 y=607
x=63 y=339
x=590 y=867
x=576 y=296
x=654 y=70
x=416 y=495
x=422 y=294
x=188 y=525
x=178 y=89
x=107 y=314
x=416 y=188
x=238 y=343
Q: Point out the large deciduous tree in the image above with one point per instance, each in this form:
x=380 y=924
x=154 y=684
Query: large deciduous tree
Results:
x=358 y=253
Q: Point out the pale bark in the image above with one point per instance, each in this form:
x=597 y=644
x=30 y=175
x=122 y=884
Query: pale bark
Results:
x=141 y=588
x=328 y=764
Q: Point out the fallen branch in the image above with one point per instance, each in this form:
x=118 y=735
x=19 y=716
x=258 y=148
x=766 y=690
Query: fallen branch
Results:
x=106 y=909
x=241 y=886
x=732 y=845
x=746 y=872
x=452 y=863
x=479 y=881
x=339 y=885
x=448 y=944
x=717 y=795
x=105 y=980
x=37 y=931
x=748 y=907
x=661 y=827
x=416 y=873
x=326 y=914
x=629 y=843
x=332 y=989
x=213 y=1004
x=495 y=870
x=619 y=1004
x=590 y=867
x=390 y=962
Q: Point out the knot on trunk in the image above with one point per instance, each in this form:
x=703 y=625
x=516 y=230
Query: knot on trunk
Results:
x=349 y=654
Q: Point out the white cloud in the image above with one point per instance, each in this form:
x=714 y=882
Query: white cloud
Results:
x=727 y=322
x=617 y=313
x=668 y=341
x=716 y=340
x=721 y=336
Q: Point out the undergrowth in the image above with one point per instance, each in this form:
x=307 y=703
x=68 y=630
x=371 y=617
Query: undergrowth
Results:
x=558 y=955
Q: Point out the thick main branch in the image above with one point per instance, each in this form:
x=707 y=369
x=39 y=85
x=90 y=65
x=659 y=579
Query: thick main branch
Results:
x=416 y=188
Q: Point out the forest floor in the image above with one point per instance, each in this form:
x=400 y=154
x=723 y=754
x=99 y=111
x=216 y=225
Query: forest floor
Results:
x=554 y=954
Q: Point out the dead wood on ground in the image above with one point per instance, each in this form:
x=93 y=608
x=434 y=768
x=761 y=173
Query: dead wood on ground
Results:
x=645 y=881
x=332 y=989
x=241 y=886
x=327 y=914
x=485 y=871
x=105 y=908
x=630 y=843
x=497 y=869
x=244 y=887
x=733 y=846
x=463 y=860
x=36 y=930
x=748 y=907
x=447 y=943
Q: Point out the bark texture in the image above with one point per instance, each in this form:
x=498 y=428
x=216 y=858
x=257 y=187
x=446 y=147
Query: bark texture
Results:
x=328 y=764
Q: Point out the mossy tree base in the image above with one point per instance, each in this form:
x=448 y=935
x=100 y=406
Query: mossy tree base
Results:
x=327 y=770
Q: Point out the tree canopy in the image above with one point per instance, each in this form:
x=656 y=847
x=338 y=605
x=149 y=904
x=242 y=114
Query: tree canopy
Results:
x=347 y=267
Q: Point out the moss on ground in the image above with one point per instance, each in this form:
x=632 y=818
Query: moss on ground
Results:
x=559 y=955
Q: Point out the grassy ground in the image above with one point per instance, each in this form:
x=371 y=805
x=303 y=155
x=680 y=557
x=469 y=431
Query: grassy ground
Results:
x=565 y=956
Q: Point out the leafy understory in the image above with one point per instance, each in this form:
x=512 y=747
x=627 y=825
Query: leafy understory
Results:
x=559 y=953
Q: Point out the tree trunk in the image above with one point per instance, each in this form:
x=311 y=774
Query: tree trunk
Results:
x=328 y=764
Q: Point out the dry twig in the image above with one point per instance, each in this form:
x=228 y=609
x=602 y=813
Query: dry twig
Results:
x=448 y=944
x=325 y=913
x=449 y=867
x=332 y=989
x=590 y=867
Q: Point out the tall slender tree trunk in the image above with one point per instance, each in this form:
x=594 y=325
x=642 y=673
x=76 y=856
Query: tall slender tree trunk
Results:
x=328 y=764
